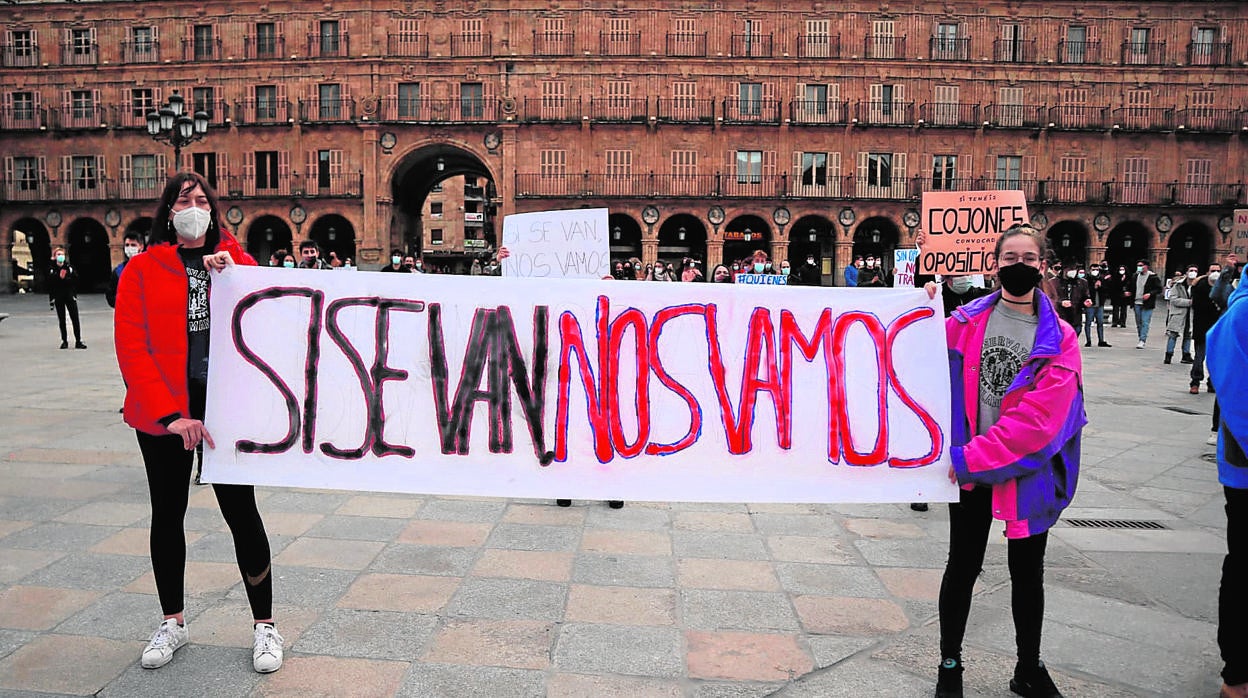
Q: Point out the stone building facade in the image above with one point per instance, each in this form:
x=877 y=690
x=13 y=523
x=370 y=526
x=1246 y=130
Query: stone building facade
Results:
x=708 y=129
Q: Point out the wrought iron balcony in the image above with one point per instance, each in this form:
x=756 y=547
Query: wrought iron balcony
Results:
x=329 y=45
x=20 y=56
x=1210 y=120
x=471 y=45
x=894 y=113
x=950 y=114
x=554 y=43
x=1143 y=119
x=946 y=49
x=751 y=111
x=1014 y=51
x=76 y=53
x=37 y=189
x=804 y=111
x=402 y=110
x=23 y=118
x=1077 y=117
x=1209 y=53
x=264 y=47
x=550 y=110
x=408 y=45
x=140 y=51
x=752 y=45
x=685 y=110
x=327 y=110
x=201 y=50
x=618 y=110
x=1143 y=53
x=619 y=43
x=251 y=112
x=819 y=46
x=1079 y=52
x=884 y=47
x=688 y=45
x=1015 y=116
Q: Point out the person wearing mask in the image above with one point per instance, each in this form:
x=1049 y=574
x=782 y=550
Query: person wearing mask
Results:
x=1119 y=297
x=1178 y=312
x=808 y=274
x=691 y=273
x=759 y=263
x=617 y=271
x=396 y=263
x=640 y=271
x=415 y=265
x=1143 y=287
x=310 y=256
x=288 y=262
x=851 y=272
x=627 y=273
x=63 y=296
x=162 y=328
x=871 y=276
x=334 y=262
x=721 y=275
x=1018 y=416
x=132 y=245
x=275 y=259
x=1072 y=293
x=1228 y=354
x=786 y=270
x=658 y=272
x=1098 y=293
x=1205 y=311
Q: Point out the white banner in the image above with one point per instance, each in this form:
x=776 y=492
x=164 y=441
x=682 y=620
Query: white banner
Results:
x=571 y=244
x=582 y=389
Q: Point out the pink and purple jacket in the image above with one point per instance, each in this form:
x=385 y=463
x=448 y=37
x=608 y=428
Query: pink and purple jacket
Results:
x=1030 y=457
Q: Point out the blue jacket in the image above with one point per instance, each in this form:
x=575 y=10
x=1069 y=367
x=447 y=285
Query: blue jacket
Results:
x=851 y=276
x=1227 y=354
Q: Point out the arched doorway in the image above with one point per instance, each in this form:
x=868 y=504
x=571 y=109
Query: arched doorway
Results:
x=743 y=235
x=31 y=254
x=1128 y=243
x=1068 y=242
x=625 y=237
x=1190 y=243
x=334 y=234
x=877 y=236
x=419 y=173
x=814 y=236
x=266 y=235
x=89 y=254
x=681 y=236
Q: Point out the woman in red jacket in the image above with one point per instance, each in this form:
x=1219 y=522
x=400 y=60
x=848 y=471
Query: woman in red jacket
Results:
x=161 y=333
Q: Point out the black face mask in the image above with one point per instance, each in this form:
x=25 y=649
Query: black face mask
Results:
x=1018 y=278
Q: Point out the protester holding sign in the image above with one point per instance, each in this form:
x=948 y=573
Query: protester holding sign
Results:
x=1017 y=418
x=162 y=338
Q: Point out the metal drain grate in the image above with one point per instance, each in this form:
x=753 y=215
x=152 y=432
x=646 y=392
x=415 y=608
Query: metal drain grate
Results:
x=1135 y=524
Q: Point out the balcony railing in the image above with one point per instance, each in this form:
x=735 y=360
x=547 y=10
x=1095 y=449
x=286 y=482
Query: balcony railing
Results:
x=249 y=112
x=1143 y=119
x=945 y=49
x=950 y=114
x=85 y=189
x=752 y=111
x=197 y=50
x=1222 y=195
x=467 y=45
x=23 y=119
x=1015 y=116
x=80 y=54
x=619 y=43
x=408 y=45
x=1078 y=117
x=546 y=110
x=329 y=45
x=1014 y=50
x=885 y=47
x=346 y=185
x=147 y=189
x=73 y=117
x=553 y=43
x=130 y=117
x=619 y=110
x=20 y=56
x=686 y=45
x=264 y=47
x=803 y=111
x=1074 y=191
x=399 y=110
x=1211 y=120
x=1143 y=53
x=892 y=113
x=28 y=190
x=327 y=110
x=253 y=187
x=686 y=111
x=140 y=51
x=1205 y=53
x=1079 y=52
x=819 y=46
x=752 y=45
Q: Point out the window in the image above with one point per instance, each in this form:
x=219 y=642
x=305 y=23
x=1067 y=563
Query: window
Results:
x=618 y=94
x=409 y=100
x=435 y=210
x=944 y=172
x=552 y=163
x=880 y=170
x=619 y=163
x=145 y=173
x=1138 y=47
x=886 y=104
x=1134 y=180
x=816 y=100
x=1071 y=182
x=142 y=102
x=22 y=42
x=814 y=169
x=26 y=173
x=1010 y=106
x=1136 y=113
x=206 y=165
x=1076 y=44
x=1009 y=172
x=750 y=102
x=1203 y=49
x=749 y=166
x=142 y=44
x=81 y=42
x=202 y=100
x=1010 y=50
x=82 y=104
x=685 y=101
x=84 y=172
x=880 y=43
x=553 y=101
x=1074 y=111
x=266 y=169
x=23 y=106
x=471 y=100
x=435 y=236
x=266 y=40
x=324 y=169
x=266 y=102
x=817 y=42
x=945 y=44
x=945 y=107
x=684 y=163
x=330 y=97
x=330 y=45
x=1198 y=181
x=1201 y=112
x=752 y=39
x=203 y=42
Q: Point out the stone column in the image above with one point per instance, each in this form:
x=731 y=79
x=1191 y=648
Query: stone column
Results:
x=844 y=257
x=714 y=255
x=779 y=252
x=1096 y=253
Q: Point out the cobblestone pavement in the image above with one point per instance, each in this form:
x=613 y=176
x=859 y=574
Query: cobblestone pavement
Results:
x=383 y=595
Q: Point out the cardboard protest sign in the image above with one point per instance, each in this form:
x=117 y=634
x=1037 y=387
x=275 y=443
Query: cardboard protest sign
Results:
x=570 y=244
x=1239 y=234
x=581 y=389
x=761 y=279
x=904 y=261
x=961 y=228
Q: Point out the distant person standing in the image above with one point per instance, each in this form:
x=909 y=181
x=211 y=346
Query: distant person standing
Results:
x=310 y=256
x=851 y=272
x=132 y=246
x=1205 y=311
x=1098 y=293
x=1144 y=288
x=1178 y=312
x=1119 y=297
x=870 y=275
x=63 y=296
x=808 y=274
x=396 y=263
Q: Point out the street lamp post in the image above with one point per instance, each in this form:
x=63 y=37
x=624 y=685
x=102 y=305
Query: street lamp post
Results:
x=171 y=125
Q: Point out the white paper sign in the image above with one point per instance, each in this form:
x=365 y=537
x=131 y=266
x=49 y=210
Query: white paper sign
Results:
x=904 y=261
x=570 y=244
x=582 y=389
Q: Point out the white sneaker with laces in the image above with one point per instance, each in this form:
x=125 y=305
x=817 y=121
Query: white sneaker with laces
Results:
x=1140 y=345
x=165 y=641
x=266 y=652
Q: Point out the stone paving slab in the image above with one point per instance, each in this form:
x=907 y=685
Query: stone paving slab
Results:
x=380 y=594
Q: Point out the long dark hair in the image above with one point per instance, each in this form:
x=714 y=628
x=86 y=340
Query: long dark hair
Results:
x=162 y=223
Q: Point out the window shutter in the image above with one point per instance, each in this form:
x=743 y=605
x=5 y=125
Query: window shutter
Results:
x=43 y=168
x=155 y=33
x=964 y=170
x=91 y=35
x=769 y=92
x=797 y=167
x=899 y=94
x=67 y=169
x=223 y=169
x=335 y=163
x=126 y=171
x=249 y=166
x=101 y=172
x=876 y=94
x=801 y=91
x=899 y=172
x=35 y=101
x=1029 y=168
x=731 y=159
x=769 y=163
x=162 y=166
x=67 y=99
x=310 y=173
x=864 y=162
x=10 y=178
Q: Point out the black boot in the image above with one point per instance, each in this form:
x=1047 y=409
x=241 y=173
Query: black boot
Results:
x=1034 y=683
x=1187 y=358
x=1169 y=355
x=949 y=679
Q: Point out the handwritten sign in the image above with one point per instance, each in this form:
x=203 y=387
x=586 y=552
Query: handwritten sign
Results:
x=761 y=279
x=582 y=389
x=1239 y=234
x=904 y=261
x=961 y=229
x=569 y=244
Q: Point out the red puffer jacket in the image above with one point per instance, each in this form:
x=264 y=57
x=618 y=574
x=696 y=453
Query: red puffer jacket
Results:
x=150 y=333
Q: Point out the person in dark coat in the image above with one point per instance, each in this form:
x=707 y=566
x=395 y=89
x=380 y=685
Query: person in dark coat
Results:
x=1099 y=291
x=808 y=274
x=1115 y=277
x=63 y=296
x=1072 y=297
x=1141 y=291
x=1205 y=311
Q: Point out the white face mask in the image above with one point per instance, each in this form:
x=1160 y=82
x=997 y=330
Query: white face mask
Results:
x=1214 y=276
x=870 y=263
x=810 y=261
x=1191 y=274
x=960 y=284
x=191 y=223
x=131 y=251
x=1070 y=274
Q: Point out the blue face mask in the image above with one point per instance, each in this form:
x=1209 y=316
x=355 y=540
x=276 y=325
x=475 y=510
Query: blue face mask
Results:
x=288 y=264
x=759 y=266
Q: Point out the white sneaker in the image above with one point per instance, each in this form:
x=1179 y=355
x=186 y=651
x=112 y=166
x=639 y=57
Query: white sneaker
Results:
x=1213 y=438
x=1140 y=345
x=165 y=641
x=266 y=652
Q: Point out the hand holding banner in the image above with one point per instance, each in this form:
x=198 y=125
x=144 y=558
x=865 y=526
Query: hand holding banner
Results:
x=961 y=229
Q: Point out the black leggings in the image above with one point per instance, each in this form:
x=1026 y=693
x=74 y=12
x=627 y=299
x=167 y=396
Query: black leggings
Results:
x=969 y=522
x=168 y=467
x=63 y=304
